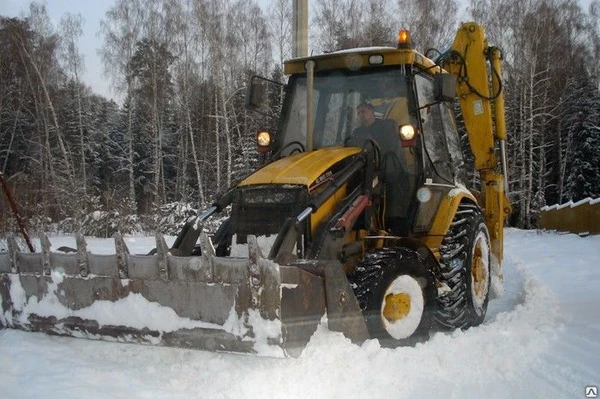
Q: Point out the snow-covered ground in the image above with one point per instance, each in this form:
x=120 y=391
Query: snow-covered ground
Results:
x=541 y=339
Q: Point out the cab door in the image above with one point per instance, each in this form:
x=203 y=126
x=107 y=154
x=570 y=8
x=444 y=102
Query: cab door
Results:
x=441 y=149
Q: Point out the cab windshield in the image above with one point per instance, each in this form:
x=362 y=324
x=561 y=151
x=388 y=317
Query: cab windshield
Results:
x=335 y=99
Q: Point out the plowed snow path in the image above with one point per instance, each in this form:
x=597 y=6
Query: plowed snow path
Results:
x=541 y=339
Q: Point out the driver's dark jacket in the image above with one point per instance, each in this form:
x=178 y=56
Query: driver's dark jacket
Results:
x=385 y=134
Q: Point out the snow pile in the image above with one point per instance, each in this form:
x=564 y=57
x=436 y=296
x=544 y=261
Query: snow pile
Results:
x=264 y=332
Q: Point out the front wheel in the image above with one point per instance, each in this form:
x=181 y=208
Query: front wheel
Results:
x=396 y=294
x=465 y=270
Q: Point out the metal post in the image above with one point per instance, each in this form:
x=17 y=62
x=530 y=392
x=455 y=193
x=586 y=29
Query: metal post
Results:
x=300 y=29
x=310 y=70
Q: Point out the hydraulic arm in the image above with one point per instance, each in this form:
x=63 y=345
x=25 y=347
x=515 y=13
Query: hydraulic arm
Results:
x=483 y=112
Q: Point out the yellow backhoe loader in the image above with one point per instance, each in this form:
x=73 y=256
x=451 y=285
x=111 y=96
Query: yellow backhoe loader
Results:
x=375 y=231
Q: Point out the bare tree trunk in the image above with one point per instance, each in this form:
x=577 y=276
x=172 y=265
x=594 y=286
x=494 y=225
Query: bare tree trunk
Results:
x=45 y=149
x=218 y=146
x=130 y=150
x=281 y=28
x=122 y=30
x=44 y=89
x=531 y=128
x=81 y=138
x=227 y=134
x=195 y=155
x=71 y=27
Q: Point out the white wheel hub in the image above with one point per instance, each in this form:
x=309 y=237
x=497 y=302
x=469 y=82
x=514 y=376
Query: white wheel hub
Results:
x=402 y=307
x=480 y=270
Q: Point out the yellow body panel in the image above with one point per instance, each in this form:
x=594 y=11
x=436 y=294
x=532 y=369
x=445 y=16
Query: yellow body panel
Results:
x=444 y=216
x=301 y=169
x=327 y=209
x=304 y=169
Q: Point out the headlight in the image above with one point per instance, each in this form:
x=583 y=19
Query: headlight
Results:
x=407 y=132
x=376 y=59
x=263 y=139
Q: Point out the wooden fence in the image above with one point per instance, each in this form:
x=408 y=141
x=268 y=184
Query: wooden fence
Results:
x=581 y=217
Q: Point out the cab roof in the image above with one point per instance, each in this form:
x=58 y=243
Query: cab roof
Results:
x=364 y=57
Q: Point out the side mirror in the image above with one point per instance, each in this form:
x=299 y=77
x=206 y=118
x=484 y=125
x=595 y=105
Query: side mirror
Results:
x=254 y=95
x=444 y=87
x=260 y=92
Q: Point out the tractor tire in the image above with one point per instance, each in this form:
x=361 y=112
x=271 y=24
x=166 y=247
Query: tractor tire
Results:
x=465 y=270
x=396 y=294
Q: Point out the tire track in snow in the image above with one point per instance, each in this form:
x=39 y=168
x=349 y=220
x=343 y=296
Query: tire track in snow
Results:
x=568 y=267
x=489 y=360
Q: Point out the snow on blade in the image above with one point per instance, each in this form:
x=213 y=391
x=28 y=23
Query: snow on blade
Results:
x=137 y=312
x=133 y=311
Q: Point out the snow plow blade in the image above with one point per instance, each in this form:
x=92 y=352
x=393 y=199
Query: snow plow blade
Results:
x=248 y=305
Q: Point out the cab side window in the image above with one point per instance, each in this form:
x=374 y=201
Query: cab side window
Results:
x=436 y=146
x=453 y=140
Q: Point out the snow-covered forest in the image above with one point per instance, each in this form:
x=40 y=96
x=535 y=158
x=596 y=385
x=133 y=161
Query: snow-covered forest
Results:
x=181 y=134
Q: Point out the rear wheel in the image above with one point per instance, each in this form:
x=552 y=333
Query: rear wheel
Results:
x=396 y=294
x=465 y=270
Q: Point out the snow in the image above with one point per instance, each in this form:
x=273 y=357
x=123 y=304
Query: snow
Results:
x=132 y=311
x=539 y=340
x=364 y=49
x=264 y=244
x=571 y=204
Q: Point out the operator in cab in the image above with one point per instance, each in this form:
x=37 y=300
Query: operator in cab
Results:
x=384 y=134
x=369 y=125
x=382 y=131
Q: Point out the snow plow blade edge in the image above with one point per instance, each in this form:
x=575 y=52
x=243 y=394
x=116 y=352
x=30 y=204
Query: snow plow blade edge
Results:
x=247 y=305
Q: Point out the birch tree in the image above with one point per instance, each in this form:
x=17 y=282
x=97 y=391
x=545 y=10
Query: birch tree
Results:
x=280 y=26
x=71 y=31
x=432 y=23
x=121 y=30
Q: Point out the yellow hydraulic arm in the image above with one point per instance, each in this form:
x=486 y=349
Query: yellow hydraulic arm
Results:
x=483 y=112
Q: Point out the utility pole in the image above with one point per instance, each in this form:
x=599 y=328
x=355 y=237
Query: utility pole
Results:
x=300 y=29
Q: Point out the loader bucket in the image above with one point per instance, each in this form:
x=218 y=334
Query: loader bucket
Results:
x=248 y=305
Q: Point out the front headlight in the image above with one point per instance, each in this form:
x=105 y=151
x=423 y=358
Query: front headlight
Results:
x=263 y=139
x=407 y=132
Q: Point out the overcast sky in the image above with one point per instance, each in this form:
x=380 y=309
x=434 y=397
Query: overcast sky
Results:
x=92 y=12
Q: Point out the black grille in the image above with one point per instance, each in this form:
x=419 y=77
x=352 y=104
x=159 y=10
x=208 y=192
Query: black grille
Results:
x=262 y=210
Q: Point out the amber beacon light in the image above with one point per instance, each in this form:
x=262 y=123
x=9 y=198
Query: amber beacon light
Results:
x=404 y=40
